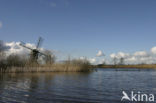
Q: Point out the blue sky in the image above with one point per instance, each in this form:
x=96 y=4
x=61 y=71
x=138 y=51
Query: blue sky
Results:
x=81 y=27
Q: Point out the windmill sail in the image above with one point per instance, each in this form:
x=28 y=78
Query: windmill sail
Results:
x=23 y=45
x=34 y=52
x=40 y=40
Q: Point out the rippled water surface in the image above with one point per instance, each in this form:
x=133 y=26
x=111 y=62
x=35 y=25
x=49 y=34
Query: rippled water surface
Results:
x=101 y=86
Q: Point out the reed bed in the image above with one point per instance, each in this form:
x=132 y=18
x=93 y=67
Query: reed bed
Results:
x=68 y=66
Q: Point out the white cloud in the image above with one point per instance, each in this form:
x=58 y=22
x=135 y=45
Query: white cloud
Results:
x=137 y=57
x=131 y=60
x=92 y=60
x=100 y=53
x=82 y=58
x=119 y=55
x=102 y=61
x=140 y=53
x=15 y=48
x=153 y=50
x=113 y=55
x=1 y=24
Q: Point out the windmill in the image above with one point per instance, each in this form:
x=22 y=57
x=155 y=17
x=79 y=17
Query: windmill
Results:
x=35 y=52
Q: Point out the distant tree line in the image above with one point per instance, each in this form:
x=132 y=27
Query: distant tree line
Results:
x=119 y=61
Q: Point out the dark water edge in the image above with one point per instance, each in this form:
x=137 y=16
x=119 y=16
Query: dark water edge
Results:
x=103 y=86
x=127 y=69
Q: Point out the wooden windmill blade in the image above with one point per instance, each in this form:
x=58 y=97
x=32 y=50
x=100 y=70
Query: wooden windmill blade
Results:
x=40 y=40
x=23 y=45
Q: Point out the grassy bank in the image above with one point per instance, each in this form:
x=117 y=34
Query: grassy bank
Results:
x=67 y=66
x=139 y=66
x=15 y=63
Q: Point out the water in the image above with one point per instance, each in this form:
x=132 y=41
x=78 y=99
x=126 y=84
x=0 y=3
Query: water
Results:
x=103 y=86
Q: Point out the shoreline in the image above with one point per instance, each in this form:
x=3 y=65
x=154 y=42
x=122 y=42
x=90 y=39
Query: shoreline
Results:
x=71 y=68
x=139 y=66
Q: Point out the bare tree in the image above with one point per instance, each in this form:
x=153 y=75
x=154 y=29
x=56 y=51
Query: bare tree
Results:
x=121 y=62
x=1 y=46
x=50 y=57
x=2 y=54
x=115 y=61
x=15 y=60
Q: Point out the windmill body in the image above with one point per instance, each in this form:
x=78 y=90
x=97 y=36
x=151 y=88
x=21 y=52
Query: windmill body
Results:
x=34 y=55
x=34 y=52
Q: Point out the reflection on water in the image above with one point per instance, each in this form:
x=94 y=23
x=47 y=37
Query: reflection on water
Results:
x=103 y=86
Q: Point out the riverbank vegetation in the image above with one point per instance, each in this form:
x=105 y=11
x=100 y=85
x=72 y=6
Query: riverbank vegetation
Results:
x=139 y=66
x=24 y=63
x=15 y=63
